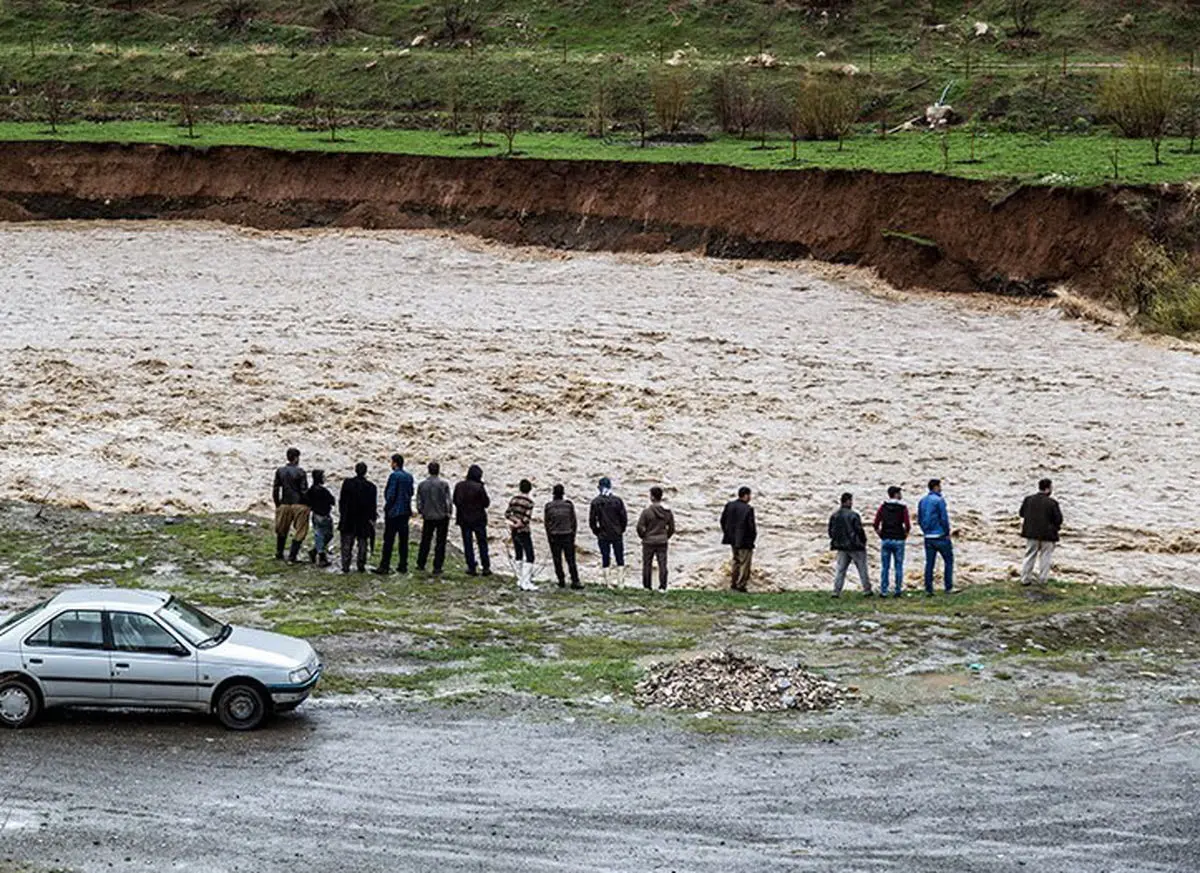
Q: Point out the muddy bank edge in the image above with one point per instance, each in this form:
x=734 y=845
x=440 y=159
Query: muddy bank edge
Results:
x=915 y=229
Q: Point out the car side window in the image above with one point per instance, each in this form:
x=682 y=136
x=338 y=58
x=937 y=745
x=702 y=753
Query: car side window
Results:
x=77 y=629
x=133 y=632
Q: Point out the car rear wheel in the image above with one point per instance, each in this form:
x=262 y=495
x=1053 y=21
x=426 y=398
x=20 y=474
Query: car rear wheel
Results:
x=242 y=707
x=18 y=703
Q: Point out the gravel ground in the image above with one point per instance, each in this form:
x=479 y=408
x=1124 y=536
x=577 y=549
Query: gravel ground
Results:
x=372 y=788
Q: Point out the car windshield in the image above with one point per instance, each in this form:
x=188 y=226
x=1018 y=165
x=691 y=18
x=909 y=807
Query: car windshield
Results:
x=12 y=620
x=194 y=624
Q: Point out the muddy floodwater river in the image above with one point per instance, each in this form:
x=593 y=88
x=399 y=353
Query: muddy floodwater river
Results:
x=165 y=368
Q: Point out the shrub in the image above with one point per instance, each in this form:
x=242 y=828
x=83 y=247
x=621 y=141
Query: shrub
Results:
x=824 y=108
x=1161 y=290
x=234 y=16
x=1142 y=98
x=672 y=92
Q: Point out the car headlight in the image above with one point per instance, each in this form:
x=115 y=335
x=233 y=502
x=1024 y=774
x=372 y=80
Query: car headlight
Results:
x=301 y=675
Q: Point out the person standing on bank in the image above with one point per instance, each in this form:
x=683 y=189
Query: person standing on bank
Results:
x=739 y=531
x=656 y=526
x=561 y=526
x=397 y=512
x=320 y=501
x=934 y=519
x=518 y=515
x=607 y=519
x=291 y=512
x=471 y=502
x=434 y=506
x=849 y=540
x=1042 y=520
x=893 y=525
x=357 y=510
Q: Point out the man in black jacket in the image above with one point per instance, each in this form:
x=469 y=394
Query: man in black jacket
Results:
x=739 y=531
x=561 y=526
x=849 y=540
x=470 y=505
x=607 y=519
x=1042 y=521
x=289 y=492
x=357 y=510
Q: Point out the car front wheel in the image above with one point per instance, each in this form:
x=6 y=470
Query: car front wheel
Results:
x=241 y=707
x=18 y=703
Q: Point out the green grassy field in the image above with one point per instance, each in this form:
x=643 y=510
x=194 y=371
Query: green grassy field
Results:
x=1051 y=160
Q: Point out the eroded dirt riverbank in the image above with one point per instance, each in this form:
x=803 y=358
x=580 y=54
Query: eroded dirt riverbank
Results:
x=152 y=366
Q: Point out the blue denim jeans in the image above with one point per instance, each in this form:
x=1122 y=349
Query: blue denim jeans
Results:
x=610 y=549
x=322 y=526
x=890 y=550
x=935 y=546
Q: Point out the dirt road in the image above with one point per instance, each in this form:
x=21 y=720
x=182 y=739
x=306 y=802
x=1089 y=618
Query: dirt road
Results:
x=165 y=367
x=378 y=789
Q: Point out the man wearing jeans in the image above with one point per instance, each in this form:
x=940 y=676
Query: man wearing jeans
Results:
x=893 y=525
x=607 y=519
x=397 y=510
x=849 y=540
x=1041 y=522
x=934 y=520
x=471 y=503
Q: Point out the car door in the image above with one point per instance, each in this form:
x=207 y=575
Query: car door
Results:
x=150 y=666
x=68 y=656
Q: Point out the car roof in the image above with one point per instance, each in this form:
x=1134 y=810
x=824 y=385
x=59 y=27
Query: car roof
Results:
x=105 y=598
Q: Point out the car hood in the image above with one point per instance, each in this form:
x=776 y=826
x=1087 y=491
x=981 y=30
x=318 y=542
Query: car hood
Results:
x=246 y=645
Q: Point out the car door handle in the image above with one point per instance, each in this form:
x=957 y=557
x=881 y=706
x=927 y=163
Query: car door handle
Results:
x=121 y=666
x=35 y=660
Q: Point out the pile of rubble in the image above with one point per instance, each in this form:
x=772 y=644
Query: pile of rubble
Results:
x=728 y=682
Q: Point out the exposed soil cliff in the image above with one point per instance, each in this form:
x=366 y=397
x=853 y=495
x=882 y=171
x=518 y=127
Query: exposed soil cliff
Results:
x=916 y=229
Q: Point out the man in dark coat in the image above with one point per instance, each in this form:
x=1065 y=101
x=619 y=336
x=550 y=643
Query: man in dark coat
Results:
x=849 y=540
x=470 y=505
x=655 y=526
x=1042 y=520
x=289 y=493
x=397 y=512
x=739 y=531
x=608 y=519
x=357 y=511
x=561 y=526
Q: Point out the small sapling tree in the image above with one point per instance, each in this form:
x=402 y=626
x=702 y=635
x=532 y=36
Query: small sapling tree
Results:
x=1141 y=98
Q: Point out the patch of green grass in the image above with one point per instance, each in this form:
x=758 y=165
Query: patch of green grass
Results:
x=571 y=679
x=1062 y=160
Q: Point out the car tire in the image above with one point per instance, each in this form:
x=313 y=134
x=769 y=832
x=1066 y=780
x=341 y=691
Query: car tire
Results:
x=19 y=704
x=242 y=707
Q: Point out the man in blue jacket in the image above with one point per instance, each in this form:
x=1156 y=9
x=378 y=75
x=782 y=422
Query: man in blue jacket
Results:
x=397 y=510
x=934 y=520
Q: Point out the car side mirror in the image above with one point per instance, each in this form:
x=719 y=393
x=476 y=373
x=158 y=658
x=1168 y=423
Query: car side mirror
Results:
x=180 y=651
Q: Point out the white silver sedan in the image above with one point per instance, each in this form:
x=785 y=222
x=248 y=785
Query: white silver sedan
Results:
x=125 y=648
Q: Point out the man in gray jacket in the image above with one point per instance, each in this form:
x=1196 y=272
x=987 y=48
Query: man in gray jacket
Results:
x=561 y=526
x=434 y=506
x=656 y=526
x=849 y=540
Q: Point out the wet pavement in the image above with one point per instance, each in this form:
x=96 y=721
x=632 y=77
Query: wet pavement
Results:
x=345 y=788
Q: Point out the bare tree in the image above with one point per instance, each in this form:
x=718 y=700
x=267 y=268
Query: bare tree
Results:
x=1141 y=98
x=511 y=119
x=331 y=120
x=731 y=100
x=234 y=16
x=188 y=111
x=54 y=104
x=672 y=92
x=1023 y=13
x=630 y=105
x=827 y=108
x=766 y=111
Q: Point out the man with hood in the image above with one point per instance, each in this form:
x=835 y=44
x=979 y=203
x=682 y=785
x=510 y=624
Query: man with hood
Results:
x=740 y=531
x=397 y=512
x=608 y=520
x=357 y=510
x=434 y=506
x=470 y=504
x=892 y=524
x=289 y=492
x=849 y=540
x=561 y=526
x=1041 y=521
x=656 y=526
